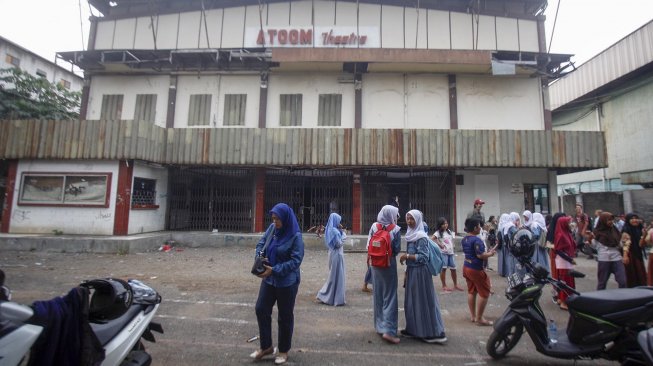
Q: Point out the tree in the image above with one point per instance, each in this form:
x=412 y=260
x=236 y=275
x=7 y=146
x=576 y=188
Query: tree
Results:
x=24 y=96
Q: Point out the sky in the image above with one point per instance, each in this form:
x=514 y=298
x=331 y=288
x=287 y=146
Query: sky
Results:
x=583 y=27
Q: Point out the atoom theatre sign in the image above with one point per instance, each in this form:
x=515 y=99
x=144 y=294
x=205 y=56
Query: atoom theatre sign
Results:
x=363 y=37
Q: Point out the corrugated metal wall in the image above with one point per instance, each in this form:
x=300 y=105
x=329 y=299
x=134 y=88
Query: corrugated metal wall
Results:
x=301 y=146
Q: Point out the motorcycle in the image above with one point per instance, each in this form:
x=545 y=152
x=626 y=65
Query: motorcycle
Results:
x=610 y=324
x=120 y=333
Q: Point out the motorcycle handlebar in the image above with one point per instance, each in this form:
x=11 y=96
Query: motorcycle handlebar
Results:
x=540 y=273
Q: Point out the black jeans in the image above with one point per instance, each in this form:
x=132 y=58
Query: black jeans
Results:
x=285 y=299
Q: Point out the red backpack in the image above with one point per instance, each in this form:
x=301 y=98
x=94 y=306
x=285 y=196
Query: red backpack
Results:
x=379 y=249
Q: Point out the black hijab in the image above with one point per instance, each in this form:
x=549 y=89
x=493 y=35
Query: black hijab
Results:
x=635 y=233
x=550 y=234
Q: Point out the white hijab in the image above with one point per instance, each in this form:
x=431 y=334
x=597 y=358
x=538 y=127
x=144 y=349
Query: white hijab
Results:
x=514 y=216
x=538 y=221
x=416 y=233
x=528 y=218
x=387 y=215
x=503 y=221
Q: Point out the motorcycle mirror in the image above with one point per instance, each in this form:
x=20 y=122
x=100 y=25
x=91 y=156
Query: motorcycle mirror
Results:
x=576 y=274
x=540 y=271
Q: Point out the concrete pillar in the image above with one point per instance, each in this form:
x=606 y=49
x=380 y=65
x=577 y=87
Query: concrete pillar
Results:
x=10 y=186
x=123 y=197
x=356 y=204
x=259 y=205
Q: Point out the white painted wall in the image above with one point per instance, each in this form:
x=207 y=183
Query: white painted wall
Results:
x=397 y=27
x=217 y=86
x=310 y=85
x=70 y=220
x=405 y=101
x=149 y=220
x=129 y=87
x=494 y=187
x=490 y=103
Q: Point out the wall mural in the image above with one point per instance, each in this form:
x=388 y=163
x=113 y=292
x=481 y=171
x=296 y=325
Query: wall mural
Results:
x=52 y=189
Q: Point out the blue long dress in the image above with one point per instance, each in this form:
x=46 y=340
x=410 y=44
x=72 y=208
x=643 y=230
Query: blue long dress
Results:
x=385 y=282
x=540 y=255
x=507 y=260
x=421 y=305
x=333 y=290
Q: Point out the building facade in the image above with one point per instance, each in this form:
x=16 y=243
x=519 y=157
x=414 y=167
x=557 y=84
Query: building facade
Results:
x=199 y=116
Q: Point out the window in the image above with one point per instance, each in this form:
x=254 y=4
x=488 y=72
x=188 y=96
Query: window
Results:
x=41 y=73
x=199 y=110
x=145 y=107
x=290 y=110
x=111 y=107
x=65 y=83
x=65 y=189
x=144 y=193
x=329 y=110
x=234 y=109
x=12 y=60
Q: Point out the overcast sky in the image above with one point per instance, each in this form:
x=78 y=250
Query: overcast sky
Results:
x=583 y=28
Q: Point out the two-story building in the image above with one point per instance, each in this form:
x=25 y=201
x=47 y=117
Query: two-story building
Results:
x=201 y=115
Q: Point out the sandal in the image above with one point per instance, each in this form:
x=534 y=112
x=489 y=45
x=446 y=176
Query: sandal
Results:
x=281 y=358
x=261 y=353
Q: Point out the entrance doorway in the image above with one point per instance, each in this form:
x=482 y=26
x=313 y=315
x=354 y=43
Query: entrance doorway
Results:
x=536 y=198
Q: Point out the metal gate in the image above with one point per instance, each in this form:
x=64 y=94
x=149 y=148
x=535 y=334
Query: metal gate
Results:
x=312 y=194
x=209 y=198
x=428 y=191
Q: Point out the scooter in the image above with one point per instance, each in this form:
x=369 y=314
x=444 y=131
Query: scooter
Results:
x=120 y=337
x=610 y=324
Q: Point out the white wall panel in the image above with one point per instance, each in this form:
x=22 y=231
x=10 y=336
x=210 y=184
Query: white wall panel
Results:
x=166 y=37
x=310 y=86
x=346 y=14
x=392 y=27
x=325 y=13
x=189 y=85
x=507 y=37
x=369 y=15
x=383 y=101
x=428 y=101
x=189 y=30
x=416 y=28
x=145 y=28
x=129 y=87
x=145 y=221
x=461 y=31
x=485 y=33
x=439 y=30
x=232 y=27
x=240 y=84
x=124 y=34
x=528 y=36
x=104 y=36
x=499 y=103
x=301 y=13
x=70 y=220
x=279 y=14
x=214 y=24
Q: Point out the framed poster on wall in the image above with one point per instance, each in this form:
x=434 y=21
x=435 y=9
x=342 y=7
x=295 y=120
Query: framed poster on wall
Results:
x=65 y=189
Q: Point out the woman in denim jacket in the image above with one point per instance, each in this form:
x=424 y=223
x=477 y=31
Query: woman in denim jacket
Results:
x=280 y=283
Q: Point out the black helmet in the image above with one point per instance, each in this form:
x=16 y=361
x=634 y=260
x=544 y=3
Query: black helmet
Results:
x=110 y=299
x=522 y=244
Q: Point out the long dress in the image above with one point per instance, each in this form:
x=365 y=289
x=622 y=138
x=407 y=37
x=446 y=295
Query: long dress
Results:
x=421 y=305
x=385 y=283
x=540 y=254
x=506 y=259
x=333 y=290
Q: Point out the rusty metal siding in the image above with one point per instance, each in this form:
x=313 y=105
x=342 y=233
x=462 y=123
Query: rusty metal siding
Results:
x=324 y=147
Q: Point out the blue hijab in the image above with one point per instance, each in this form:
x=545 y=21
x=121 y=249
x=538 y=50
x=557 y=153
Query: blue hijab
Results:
x=332 y=232
x=289 y=227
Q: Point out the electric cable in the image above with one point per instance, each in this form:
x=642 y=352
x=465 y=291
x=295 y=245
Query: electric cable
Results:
x=555 y=20
x=81 y=25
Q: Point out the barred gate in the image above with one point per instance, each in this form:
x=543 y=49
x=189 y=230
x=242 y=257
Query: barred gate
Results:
x=203 y=198
x=428 y=191
x=311 y=194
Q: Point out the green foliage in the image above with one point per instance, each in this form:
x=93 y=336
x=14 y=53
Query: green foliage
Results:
x=24 y=96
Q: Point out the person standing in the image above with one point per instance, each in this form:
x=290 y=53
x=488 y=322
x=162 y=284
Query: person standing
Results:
x=634 y=259
x=606 y=240
x=538 y=228
x=280 y=282
x=478 y=283
x=333 y=291
x=503 y=266
x=385 y=280
x=564 y=244
x=421 y=305
x=476 y=212
x=443 y=237
x=582 y=226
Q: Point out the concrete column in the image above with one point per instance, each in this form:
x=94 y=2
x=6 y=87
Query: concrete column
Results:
x=123 y=197
x=553 y=192
x=453 y=103
x=10 y=186
x=259 y=205
x=263 y=101
x=358 y=100
x=172 y=102
x=356 y=204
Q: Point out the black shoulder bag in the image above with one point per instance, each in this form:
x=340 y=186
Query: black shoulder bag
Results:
x=260 y=259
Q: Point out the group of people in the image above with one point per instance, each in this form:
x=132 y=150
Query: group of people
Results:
x=619 y=251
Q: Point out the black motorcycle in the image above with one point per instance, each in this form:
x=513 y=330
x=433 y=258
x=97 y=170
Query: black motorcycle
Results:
x=609 y=324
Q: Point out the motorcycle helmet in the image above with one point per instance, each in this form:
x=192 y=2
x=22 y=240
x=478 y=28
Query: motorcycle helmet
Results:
x=522 y=244
x=111 y=297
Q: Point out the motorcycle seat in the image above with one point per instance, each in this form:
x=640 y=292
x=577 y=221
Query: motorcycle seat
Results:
x=611 y=301
x=106 y=331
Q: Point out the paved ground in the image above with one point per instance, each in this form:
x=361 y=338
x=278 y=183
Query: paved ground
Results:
x=208 y=314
